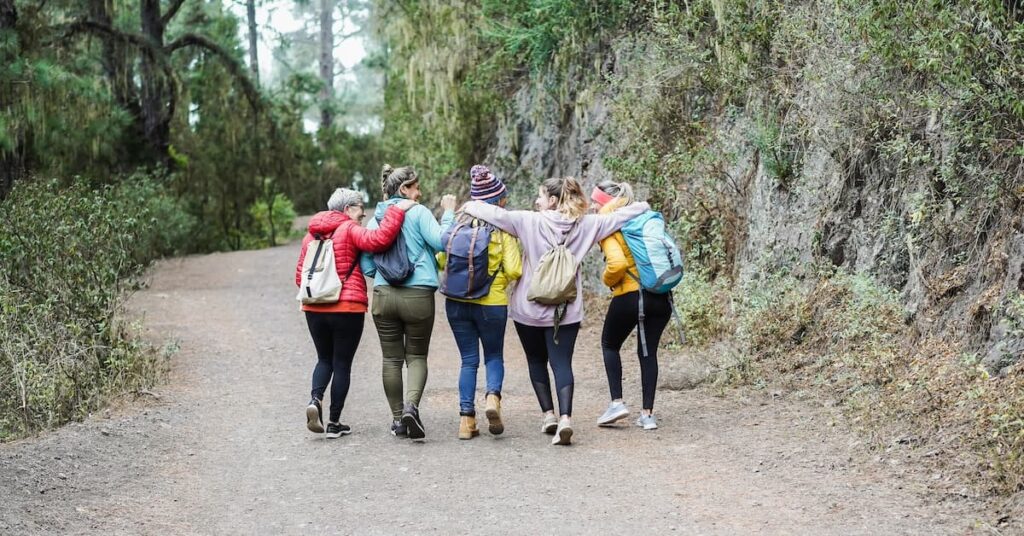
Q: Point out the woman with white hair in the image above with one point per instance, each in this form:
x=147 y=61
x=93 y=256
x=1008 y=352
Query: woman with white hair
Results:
x=336 y=328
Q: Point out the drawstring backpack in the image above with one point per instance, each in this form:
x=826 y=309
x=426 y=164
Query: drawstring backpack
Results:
x=554 y=279
x=320 y=282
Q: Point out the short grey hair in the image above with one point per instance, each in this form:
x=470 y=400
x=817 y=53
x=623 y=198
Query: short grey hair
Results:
x=343 y=198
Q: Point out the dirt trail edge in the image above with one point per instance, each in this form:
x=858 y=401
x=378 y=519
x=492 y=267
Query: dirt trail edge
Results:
x=224 y=449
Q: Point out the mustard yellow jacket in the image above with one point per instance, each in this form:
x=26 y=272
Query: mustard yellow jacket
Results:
x=618 y=260
x=503 y=256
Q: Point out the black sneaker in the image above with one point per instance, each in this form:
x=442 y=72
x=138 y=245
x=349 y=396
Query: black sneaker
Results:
x=314 y=417
x=398 y=429
x=336 y=430
x=411 y=420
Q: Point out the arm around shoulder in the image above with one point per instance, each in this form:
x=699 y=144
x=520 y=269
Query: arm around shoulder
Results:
x=510 y=221
x=381 y=238
x=609 y=223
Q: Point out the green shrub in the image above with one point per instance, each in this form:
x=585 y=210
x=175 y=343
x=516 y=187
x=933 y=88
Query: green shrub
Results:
x=699 y=303
x=68 y=254
x=271 y=227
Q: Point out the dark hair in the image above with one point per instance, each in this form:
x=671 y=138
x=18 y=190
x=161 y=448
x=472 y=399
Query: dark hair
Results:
x=392 y=179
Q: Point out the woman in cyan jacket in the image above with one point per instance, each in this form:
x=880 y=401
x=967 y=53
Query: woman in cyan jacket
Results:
x=336 y=328
x=404 y=312
x=481 y=322
x=620 y=274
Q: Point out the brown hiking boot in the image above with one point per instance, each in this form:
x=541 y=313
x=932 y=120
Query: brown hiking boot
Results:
x=467 y=427
x=493 y=412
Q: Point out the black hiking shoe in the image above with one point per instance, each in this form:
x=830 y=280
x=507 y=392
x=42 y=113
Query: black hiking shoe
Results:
x=399 y=430
x=336 y=430
x=411 y=420
x=314 y=417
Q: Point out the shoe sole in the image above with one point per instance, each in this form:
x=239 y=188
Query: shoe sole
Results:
x=614 y=418
x=564 y=436
x=413 y=427
x=313 y=420
x=470 y=436
x=494 y=424
x=338 y=434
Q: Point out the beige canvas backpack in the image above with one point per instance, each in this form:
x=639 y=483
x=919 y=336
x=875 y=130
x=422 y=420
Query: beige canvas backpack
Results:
x=554 y=279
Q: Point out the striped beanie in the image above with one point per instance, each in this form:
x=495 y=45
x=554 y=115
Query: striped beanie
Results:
x=485 y=186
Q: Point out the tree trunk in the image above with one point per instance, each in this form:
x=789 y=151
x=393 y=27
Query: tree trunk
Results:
x=8 y=15
x=120 y=75
x=156 y=117
x=254 y=61
x=11 y=162
x=327 y=63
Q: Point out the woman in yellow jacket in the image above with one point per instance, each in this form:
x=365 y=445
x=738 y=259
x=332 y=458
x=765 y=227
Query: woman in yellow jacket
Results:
x=482 y=321
x=621 y=275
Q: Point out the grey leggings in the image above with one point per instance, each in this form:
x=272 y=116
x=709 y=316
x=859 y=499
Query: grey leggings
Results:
x=404 y=317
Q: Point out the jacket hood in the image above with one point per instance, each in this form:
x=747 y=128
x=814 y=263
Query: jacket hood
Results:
x=382 y=207
x=557 y=224
x=324 y=223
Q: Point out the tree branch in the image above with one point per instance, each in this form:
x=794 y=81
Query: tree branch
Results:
x=233 y=65
x=109 y=32
x=171 y=12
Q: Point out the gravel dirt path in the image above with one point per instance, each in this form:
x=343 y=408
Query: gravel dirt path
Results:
x=224 y=449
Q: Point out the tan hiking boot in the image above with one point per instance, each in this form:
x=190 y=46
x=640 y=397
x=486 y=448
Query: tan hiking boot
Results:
x=493 y=412
x=467 y=427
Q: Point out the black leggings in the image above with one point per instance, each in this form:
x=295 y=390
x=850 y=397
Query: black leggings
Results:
x=541 y=349
x=623 y=316
x=336 y=337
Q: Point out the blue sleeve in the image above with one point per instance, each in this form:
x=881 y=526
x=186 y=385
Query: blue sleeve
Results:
x=367 y=265
x=429 y=229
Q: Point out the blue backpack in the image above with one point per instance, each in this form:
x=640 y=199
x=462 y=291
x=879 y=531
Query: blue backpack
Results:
x=394 y=264
x=657 y=257
x=465 y=274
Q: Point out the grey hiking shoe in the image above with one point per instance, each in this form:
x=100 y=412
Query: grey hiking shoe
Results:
x=615 y=412
x=647 y=422
x=412 y=422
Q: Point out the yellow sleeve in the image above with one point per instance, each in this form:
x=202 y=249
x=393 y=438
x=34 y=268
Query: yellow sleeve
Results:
x=441 y=259
x=615 y=259
x=511 y=258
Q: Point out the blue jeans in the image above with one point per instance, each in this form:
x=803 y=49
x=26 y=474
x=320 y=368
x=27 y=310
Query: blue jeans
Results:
x=474 y=325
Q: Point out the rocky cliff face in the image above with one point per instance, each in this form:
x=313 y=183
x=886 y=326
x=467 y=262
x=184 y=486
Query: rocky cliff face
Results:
x=956 y=260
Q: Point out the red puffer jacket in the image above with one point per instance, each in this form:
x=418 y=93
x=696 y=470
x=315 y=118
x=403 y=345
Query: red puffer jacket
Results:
x=350 y=239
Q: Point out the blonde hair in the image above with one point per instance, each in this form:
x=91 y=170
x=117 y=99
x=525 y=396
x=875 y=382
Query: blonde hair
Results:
x=571 y=202
x=621 y=190
x=392 y=179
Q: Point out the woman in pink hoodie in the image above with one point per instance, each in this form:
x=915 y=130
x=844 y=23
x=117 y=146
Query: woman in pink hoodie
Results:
x=560 y=218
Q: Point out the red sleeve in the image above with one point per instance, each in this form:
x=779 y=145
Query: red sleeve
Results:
x=302 y=257
x=380 y=239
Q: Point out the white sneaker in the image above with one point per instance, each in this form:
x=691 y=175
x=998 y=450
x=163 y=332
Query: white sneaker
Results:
x=615 y=412
x=647 y=422
x=564 y=434
x=550 y=424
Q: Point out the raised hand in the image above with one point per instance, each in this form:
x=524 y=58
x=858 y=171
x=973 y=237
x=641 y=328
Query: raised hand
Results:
x=448 y=202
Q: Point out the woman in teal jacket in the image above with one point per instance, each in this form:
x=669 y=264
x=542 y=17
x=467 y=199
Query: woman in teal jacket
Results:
x=404 y=314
